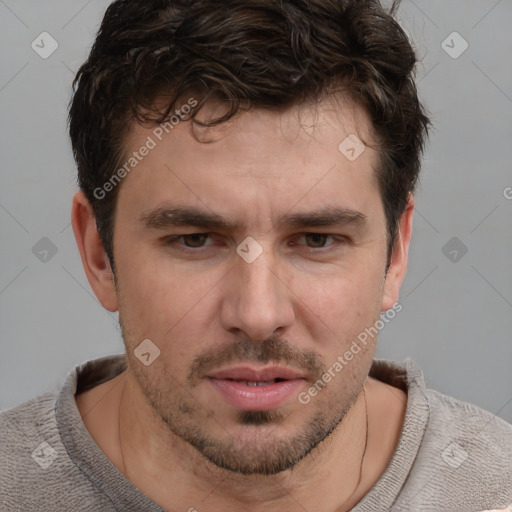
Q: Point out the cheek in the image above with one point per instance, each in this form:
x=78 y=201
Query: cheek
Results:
x=341 y=308
x=342 y=294
x=166 y=304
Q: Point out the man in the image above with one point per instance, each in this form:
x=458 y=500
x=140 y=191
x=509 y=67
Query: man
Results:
x=247 y=171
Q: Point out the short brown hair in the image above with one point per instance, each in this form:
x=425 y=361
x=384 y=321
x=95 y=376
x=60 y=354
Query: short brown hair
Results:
x=261 y=53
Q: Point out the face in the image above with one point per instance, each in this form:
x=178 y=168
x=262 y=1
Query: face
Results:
x=252 y=259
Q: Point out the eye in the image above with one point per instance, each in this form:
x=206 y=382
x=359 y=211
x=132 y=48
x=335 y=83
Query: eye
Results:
x=196 y=240
x=316 y=240
x=191 y=241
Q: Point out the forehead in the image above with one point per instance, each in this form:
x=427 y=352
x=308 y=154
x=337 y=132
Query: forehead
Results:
x=325 y=122
x=297 y=155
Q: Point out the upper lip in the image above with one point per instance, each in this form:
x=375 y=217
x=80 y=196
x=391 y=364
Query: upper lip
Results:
x=257 y=375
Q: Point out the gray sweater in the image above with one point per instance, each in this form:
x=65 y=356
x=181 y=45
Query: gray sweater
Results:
x=452 y=456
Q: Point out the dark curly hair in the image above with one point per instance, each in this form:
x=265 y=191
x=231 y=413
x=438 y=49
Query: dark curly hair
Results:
x=250 y=53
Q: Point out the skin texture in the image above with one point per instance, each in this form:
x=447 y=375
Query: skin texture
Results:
x=300 y=305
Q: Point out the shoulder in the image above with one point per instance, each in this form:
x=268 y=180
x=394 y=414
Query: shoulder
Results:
x=477 y=428
x=25 y=424
x=464 y=461
x=36 y=472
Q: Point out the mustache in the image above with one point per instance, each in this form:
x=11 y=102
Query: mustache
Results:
x=272 y=349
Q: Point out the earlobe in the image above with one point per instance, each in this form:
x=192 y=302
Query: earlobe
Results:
x=398 y=264
x=94 y=258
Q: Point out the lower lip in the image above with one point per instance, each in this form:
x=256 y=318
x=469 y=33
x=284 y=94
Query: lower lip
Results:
x=256 y=398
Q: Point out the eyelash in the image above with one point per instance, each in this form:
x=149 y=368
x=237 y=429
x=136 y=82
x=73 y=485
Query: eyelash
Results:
x=172 y=240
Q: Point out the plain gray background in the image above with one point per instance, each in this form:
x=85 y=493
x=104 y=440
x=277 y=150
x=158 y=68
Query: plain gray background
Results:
x=457 y=306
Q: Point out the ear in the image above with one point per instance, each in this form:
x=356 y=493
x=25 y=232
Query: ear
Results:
x=94 y=258
x=398 y=264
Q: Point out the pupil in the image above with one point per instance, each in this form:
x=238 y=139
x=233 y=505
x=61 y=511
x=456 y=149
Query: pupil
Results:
x=317 y=240
x=195 y=240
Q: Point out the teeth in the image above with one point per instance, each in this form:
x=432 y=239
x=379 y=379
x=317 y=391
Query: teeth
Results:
x=254 y=383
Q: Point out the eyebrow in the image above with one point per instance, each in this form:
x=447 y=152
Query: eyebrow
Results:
x=166 y=217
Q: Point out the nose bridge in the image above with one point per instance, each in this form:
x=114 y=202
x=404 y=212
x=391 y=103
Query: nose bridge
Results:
x=259 y=283
x=257 y=301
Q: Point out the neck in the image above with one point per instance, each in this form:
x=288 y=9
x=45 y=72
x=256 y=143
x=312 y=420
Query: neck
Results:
x=176 y=476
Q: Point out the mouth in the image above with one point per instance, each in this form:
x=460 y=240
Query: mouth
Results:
x=257 y=382
x=252 y=389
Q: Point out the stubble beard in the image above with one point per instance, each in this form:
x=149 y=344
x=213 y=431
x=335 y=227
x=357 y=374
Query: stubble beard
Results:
x=266 y=448
x=264 y=451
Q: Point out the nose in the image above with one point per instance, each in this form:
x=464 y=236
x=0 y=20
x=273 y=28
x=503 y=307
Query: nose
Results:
x=257 y=301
